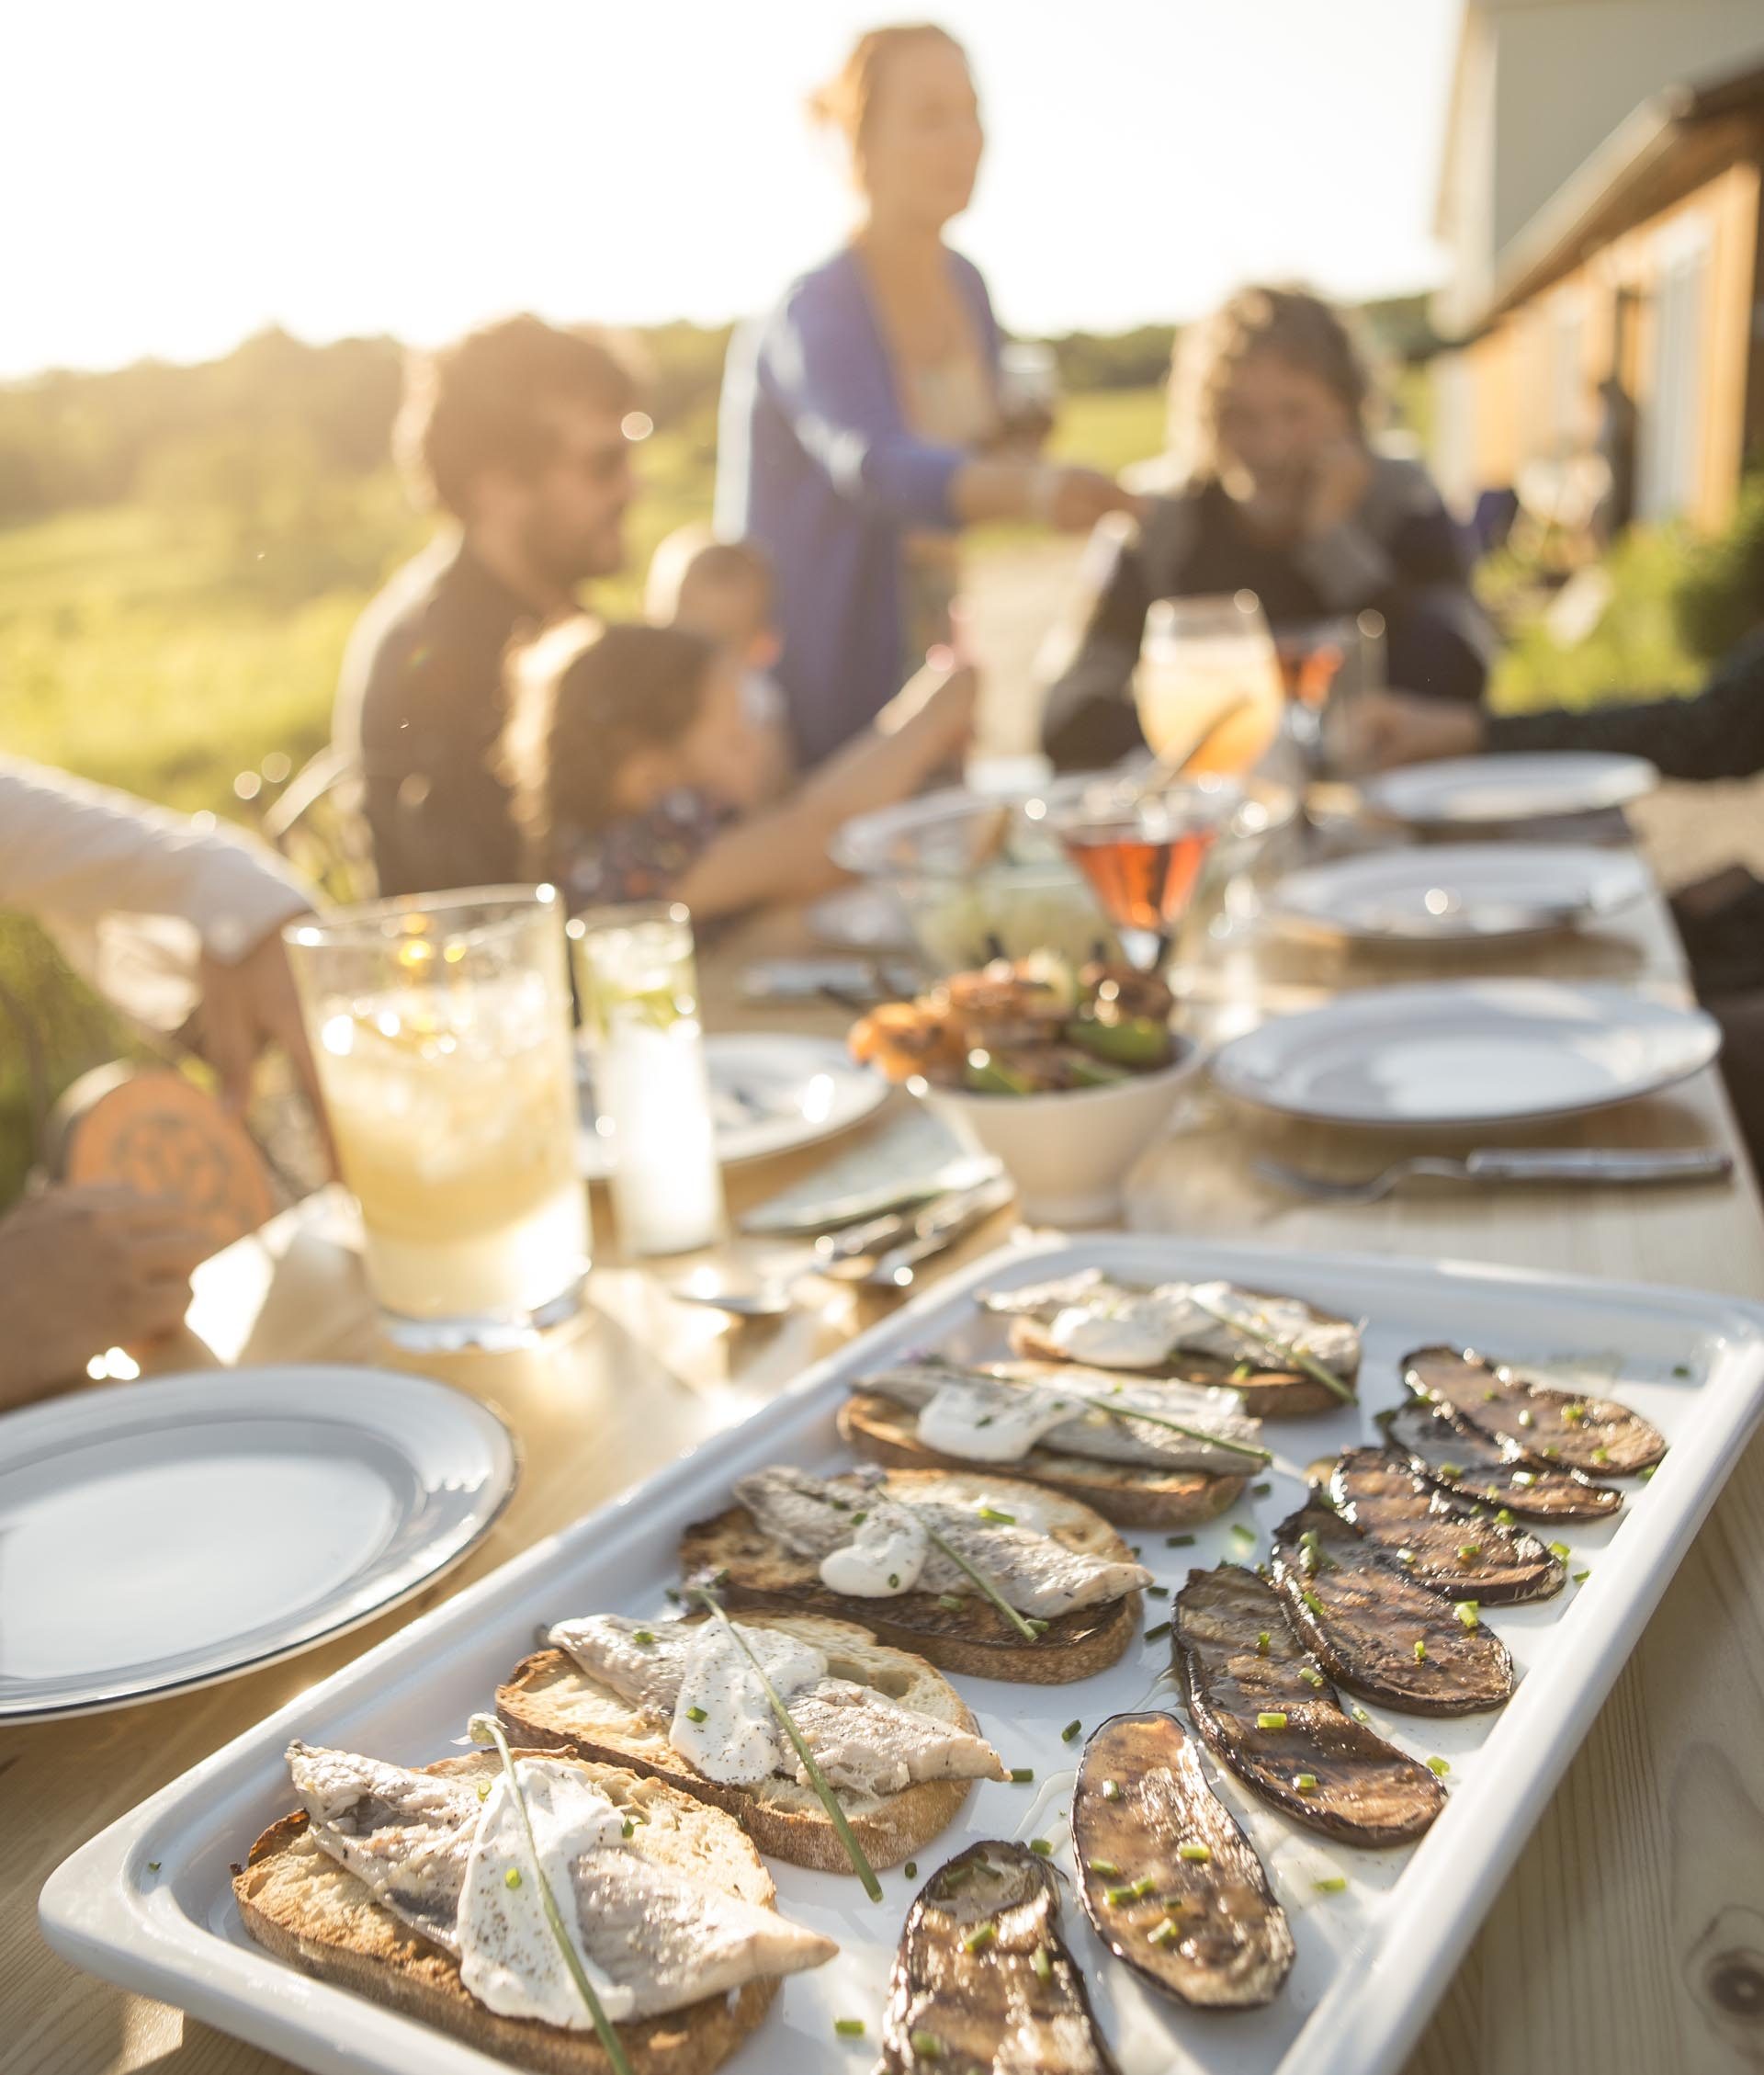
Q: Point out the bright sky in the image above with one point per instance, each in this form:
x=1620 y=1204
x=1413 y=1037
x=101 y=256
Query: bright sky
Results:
x=182 y=174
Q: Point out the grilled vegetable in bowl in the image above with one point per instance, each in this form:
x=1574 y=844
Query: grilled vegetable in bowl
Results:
x=1035 y=1028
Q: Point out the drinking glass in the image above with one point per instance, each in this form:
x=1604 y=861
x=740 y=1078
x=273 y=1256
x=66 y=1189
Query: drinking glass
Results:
x=440 y=1025
x=639 y=996
x=1028 y=394
x=1143 y=855
x=1208 y=685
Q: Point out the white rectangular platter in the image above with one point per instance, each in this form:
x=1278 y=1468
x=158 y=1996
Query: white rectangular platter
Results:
x=148 y=1903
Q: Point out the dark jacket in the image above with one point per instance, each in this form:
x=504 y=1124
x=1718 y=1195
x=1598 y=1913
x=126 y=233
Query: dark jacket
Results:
x=1399 y=554
x=420 y=709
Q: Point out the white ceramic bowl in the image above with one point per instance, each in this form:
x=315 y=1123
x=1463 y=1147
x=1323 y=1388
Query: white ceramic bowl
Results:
x=1069 y=1152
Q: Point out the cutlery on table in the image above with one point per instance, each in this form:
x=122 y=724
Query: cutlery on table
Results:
x=1569 y=1164
x=933 y=1230
x=770 y=1300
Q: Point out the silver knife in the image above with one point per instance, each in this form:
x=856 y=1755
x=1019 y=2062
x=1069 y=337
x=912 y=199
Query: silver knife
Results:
x=936 y=1228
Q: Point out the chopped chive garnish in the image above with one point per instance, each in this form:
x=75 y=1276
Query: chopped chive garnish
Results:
x=911 y=1869
x=1117 y=1897
x=817 y=1778
x=951 y=1602
x=1470 y=1613
x=1126 y=1413
x=486 y=1729
x=1559 y=1549
x=992 y=1512
x=1309 y=1676
x=1507 y=1517
x=1489 y=1396
x=1261 y=1488
x=512 y=1879
x=1313 y=1602
x=1405 y=1555
x=1110 y=1790
x=1029 y=1631
x=1143 y=1887
x=1451 y=1470
x=1070 y=1733
x=979 y=1938
x=1179 y=1541
x=696 y=1714
x=642 y=1636
x=1646 y=1473
x=1042 y=1964
x=1551 y=1452
x=1580 y=1577
x=1272 y=1718
x=1161 y=1934
x=1334 y=1885
x=1420 y=1651
x=1243 y=1529
x=1306 y=1783
x=1133 y=1550
x=954 y=1877
x=1574 y=1414
x=483 y=1790
x=1041 y=1848
x=849 y=2027
x=1439 y=1768
x=1196 y=1854
x=1038 y=1628
x=1161 y=1630
x=152 y=1866
x=894 y=1581
x=1525 y=1477
x=629 y=1826
x=1601 y=1454
x=927 y=2046
x=1262 y=1642
x=1107 y=1868
x=1021 y=1774
x=1525 y=1416
x=1680 y=1369
x=1293 y=1355
x=1469 y=1551
x=1359 y=1713
x=1157 y=1592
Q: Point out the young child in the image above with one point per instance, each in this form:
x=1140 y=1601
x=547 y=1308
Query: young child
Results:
x=723 y=590
x=637 y=774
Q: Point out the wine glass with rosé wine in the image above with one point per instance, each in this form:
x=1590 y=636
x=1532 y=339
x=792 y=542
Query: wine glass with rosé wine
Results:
x=1143 y=856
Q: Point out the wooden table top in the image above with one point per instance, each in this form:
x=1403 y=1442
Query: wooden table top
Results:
x=1630 y=1937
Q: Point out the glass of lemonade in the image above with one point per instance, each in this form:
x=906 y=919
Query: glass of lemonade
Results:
x=441 y=1027
x=638 y=979
x=1208 y=687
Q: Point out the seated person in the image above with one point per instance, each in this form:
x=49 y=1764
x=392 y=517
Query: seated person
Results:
x=636 y=772
x=724 y=590
x=1273 y=486
x=517 y=433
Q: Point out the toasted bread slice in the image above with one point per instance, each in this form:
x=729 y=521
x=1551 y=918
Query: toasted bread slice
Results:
x=298 y=1902
x=1132 y=1494
x=761 y=1572
x=550 y=1704
x=1267 y=1394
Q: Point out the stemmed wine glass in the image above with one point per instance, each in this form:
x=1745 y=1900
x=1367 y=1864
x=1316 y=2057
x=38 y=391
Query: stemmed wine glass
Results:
x=1143 y=855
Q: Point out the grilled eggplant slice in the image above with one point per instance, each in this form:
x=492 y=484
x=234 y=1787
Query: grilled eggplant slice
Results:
x=1266 y=1713
x=1448 y=1451
x=1172 y=1885
x=1376 y=1630
x=1595 y=1435
x=1457 y=1547
x=982 y=1978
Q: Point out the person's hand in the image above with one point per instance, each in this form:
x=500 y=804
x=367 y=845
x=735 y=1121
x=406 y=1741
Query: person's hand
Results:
x=84 y=1269
x=246 y=1006
x=1378 y=730
x=1076 y=498
x=940 y=698
x=1340 y=474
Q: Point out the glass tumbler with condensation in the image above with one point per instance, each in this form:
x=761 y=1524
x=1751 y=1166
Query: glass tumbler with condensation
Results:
x=441 y=1027
x=636 y=976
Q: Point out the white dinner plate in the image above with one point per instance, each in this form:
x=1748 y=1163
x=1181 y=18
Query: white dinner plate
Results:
x=1464 y=1052
x=769 y=1093
x=1448 y=893
x=1461 y=791
x=159 y=1535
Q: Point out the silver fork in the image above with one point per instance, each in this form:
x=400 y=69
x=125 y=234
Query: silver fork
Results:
x=1570 y=1164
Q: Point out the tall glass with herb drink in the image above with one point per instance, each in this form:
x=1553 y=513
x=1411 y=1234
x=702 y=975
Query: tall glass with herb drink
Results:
x=441 y=1027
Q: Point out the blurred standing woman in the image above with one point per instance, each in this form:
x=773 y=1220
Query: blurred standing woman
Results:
x=1272 y=483
x=861 y=426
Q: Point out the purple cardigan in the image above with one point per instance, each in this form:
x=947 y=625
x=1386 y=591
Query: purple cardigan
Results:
x=816 y=463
